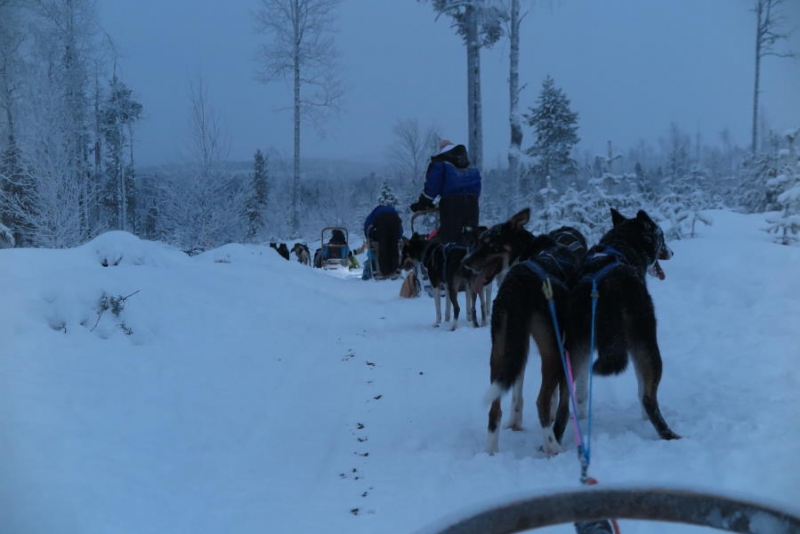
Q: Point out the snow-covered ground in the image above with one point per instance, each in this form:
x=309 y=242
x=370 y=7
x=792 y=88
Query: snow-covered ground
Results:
x=251 y=394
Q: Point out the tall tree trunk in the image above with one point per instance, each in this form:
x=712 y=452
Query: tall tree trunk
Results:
x=132 y=192
x=98 y=162
x=122 y=203
x=474 y=87
x=74 y=98
x=754 y=135
x=296 y=181
x=513 y=116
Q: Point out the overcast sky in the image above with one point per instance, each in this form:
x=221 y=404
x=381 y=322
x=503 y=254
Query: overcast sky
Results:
x=630 y=67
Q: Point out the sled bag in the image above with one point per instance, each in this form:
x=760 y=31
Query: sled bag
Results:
x=410 y=288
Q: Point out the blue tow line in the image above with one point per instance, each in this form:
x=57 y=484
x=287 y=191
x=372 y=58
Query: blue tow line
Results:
x=584 y=445
x=602 y=526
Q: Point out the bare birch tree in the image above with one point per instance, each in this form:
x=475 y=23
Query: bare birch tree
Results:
x=770 y=20
x=203 y=206
x=47 y=193
x=12 y=178
x=409 y=154
x=67 y=33
x=479 y=23
x=301 y=50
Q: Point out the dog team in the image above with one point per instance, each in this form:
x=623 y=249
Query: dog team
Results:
x=598 y=295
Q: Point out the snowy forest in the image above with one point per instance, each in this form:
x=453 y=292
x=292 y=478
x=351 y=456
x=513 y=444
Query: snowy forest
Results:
x=68 y=144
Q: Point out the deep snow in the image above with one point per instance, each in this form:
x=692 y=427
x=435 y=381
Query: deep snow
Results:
x=258 y=395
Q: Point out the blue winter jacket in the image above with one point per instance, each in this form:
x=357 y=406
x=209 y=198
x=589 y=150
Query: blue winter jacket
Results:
x=449 y=174
x=377 y=211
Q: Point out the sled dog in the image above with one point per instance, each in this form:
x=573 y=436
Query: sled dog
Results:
x=521 y=312
x=625 y=321
x=442 y=262
x=302 y=252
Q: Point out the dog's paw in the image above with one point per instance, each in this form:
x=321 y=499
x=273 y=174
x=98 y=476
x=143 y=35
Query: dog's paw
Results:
x=550 y=444
x=553 y=451
x=492 y=444
x=668 y=434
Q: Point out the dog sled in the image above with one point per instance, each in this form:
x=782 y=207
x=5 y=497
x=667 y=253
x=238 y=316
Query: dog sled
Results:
x=334 y=251
x=372 y=267
x=425 y=222
x=582 y=507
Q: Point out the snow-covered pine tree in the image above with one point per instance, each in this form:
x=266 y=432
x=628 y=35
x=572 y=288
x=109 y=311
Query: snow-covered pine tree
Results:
x=672 y=203
x=547 y=212
x=786 y=227
x=118 y=113
x=758 y=169
x=387 y=196
x=696 y=199
x=555 y=127
x=491 y=211
x=576 y=212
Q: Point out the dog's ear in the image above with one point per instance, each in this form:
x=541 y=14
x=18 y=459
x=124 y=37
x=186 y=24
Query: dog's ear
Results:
x=642 y=216
x=617 y=217
x=520 y=219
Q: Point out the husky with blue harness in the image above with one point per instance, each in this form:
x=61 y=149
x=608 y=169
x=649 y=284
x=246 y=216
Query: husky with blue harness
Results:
x=520 y=312
x=611 y=311
x=442 y=264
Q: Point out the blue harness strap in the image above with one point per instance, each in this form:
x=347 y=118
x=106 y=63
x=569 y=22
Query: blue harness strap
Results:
x=563 y=263
x=445 y=250
x=539 y=271
x=603 y=526
x=599 y=275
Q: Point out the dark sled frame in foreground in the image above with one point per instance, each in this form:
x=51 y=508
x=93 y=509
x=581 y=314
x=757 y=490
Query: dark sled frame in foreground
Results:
x=654 y=504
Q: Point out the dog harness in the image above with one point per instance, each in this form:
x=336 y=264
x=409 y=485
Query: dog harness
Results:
x=606 y=251
x=538 y=270
x=446 y=247
x=565 y=264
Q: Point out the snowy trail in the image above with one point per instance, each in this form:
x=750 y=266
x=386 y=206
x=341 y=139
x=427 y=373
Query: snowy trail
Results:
x=255 y=394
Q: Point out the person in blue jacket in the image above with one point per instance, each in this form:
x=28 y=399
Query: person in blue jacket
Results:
x=383 y=225
x=450 y=177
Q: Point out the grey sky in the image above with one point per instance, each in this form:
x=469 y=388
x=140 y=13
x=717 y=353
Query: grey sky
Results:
x=630 y=67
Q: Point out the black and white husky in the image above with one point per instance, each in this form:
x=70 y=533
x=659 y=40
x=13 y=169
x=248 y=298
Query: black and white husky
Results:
x=521 y=312
x=442 y=263
x=625 y=321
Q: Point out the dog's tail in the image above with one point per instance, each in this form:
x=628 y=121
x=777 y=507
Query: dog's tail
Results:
x=611 y=343
x=495 y=391
x=510 y=347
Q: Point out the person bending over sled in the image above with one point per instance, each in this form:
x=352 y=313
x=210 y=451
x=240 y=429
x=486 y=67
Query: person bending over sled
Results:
x=384 y=227
x=450 y=177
